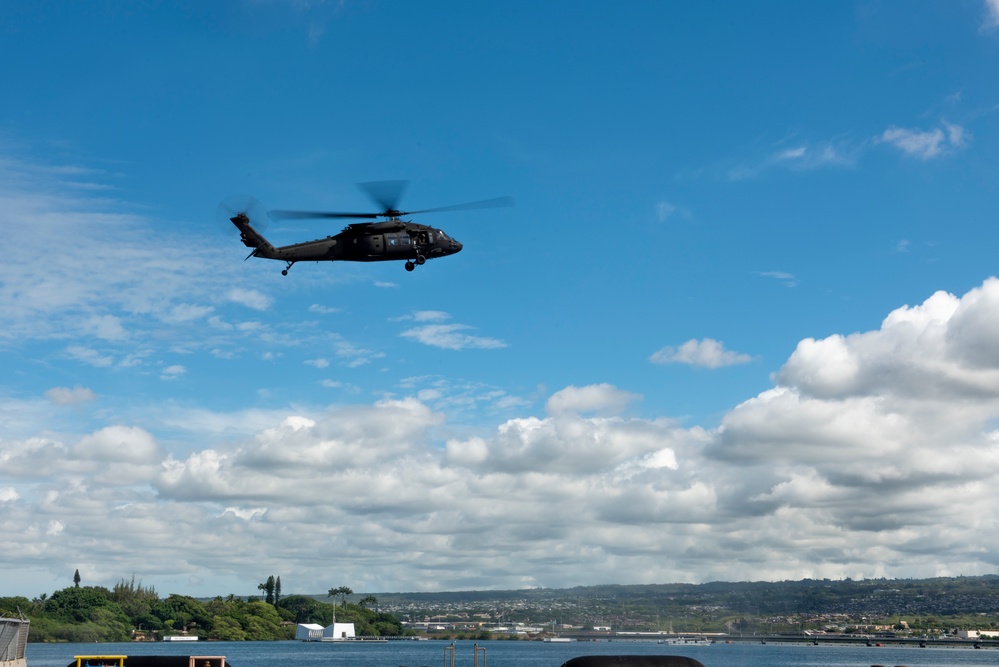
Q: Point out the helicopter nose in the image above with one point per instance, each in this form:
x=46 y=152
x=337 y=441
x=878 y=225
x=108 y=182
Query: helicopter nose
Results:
x=455 y=246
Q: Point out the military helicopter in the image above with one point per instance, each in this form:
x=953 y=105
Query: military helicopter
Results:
x=386 y=240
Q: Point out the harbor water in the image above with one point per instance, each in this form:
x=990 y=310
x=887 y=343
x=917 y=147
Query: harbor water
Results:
x=499 y=653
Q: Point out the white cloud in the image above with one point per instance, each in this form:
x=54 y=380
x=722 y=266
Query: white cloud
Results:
x=601 y=399
x=129 y=444
x=106 y=327
x=324 y=310
x=664 y=210
x=862 y=460
x=801 y=157
x=451 y=337
x=123 y=290
x=925 y=144
x=787 y=278
x=66 y=396
x=991 y=20
x=706 y=352
x=172 y=372
x=89 y=356
x=254 y=299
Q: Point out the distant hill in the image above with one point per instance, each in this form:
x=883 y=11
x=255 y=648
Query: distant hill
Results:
x=942 y=596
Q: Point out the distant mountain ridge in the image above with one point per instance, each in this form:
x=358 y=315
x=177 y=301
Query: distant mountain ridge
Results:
x=940 y=595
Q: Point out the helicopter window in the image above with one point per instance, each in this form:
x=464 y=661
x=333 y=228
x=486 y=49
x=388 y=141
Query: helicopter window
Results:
x=391 y=239
x=442 y=234
x=404 y=239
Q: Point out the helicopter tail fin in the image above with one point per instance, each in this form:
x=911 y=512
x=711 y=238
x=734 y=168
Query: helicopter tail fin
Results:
x=251 y=238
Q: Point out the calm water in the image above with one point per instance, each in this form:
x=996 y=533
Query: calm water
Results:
x=520 y=654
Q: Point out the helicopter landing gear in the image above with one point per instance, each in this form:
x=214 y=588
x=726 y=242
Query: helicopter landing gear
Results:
x=420 y=259
x=284 y=271
x=410 y=266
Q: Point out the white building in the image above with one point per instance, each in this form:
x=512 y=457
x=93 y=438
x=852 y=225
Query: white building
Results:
x=338 y=632
x=309 y=632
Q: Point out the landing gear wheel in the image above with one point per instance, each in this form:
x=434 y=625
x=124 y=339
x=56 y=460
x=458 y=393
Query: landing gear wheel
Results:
x=410 y=266
x=284 y=272
x=420 y=259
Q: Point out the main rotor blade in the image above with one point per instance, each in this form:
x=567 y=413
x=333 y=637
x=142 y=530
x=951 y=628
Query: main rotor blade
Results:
x=497 y=202
x=385 y=193
x=281 y=214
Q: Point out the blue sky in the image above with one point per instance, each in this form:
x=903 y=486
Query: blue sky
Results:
x=739 y=324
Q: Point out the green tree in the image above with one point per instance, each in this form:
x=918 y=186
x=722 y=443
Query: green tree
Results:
x=268 y=588
x=277 y=591
x=227 y=629
x=14 y=607
x=134 y=599
x=304 y=609
x=182 y=612
x=75 y=604
x=76 y=578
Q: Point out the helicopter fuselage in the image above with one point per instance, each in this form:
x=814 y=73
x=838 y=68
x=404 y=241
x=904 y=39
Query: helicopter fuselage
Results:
x=392 y=239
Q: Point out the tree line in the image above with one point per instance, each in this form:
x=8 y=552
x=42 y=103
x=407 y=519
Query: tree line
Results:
x=130 y=611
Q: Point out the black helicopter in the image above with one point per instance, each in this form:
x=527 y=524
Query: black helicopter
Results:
x=389 y=239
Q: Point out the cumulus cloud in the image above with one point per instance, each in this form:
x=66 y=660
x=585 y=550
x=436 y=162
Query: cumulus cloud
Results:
x=706 y=352
x=873 y=454
x=601 y=399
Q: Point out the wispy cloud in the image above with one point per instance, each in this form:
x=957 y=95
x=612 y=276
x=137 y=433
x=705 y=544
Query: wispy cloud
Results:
x=787 y=278
x=450 y=336
x=991 y=20
x=250 y=298
x=925 y=144
x=664 y=210
x=800 y=157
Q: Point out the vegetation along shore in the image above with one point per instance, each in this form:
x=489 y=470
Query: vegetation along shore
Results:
x=900 y=607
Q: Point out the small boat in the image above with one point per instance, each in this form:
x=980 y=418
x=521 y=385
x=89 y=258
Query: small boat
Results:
x=686 y=641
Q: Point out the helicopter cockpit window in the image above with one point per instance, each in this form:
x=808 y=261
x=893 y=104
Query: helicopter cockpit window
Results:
x=442 y=234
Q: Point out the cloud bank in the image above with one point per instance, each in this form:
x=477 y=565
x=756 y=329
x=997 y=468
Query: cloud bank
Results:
x=874 y=454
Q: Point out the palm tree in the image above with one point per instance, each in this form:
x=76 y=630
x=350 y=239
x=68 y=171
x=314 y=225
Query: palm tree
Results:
x=343 y=592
